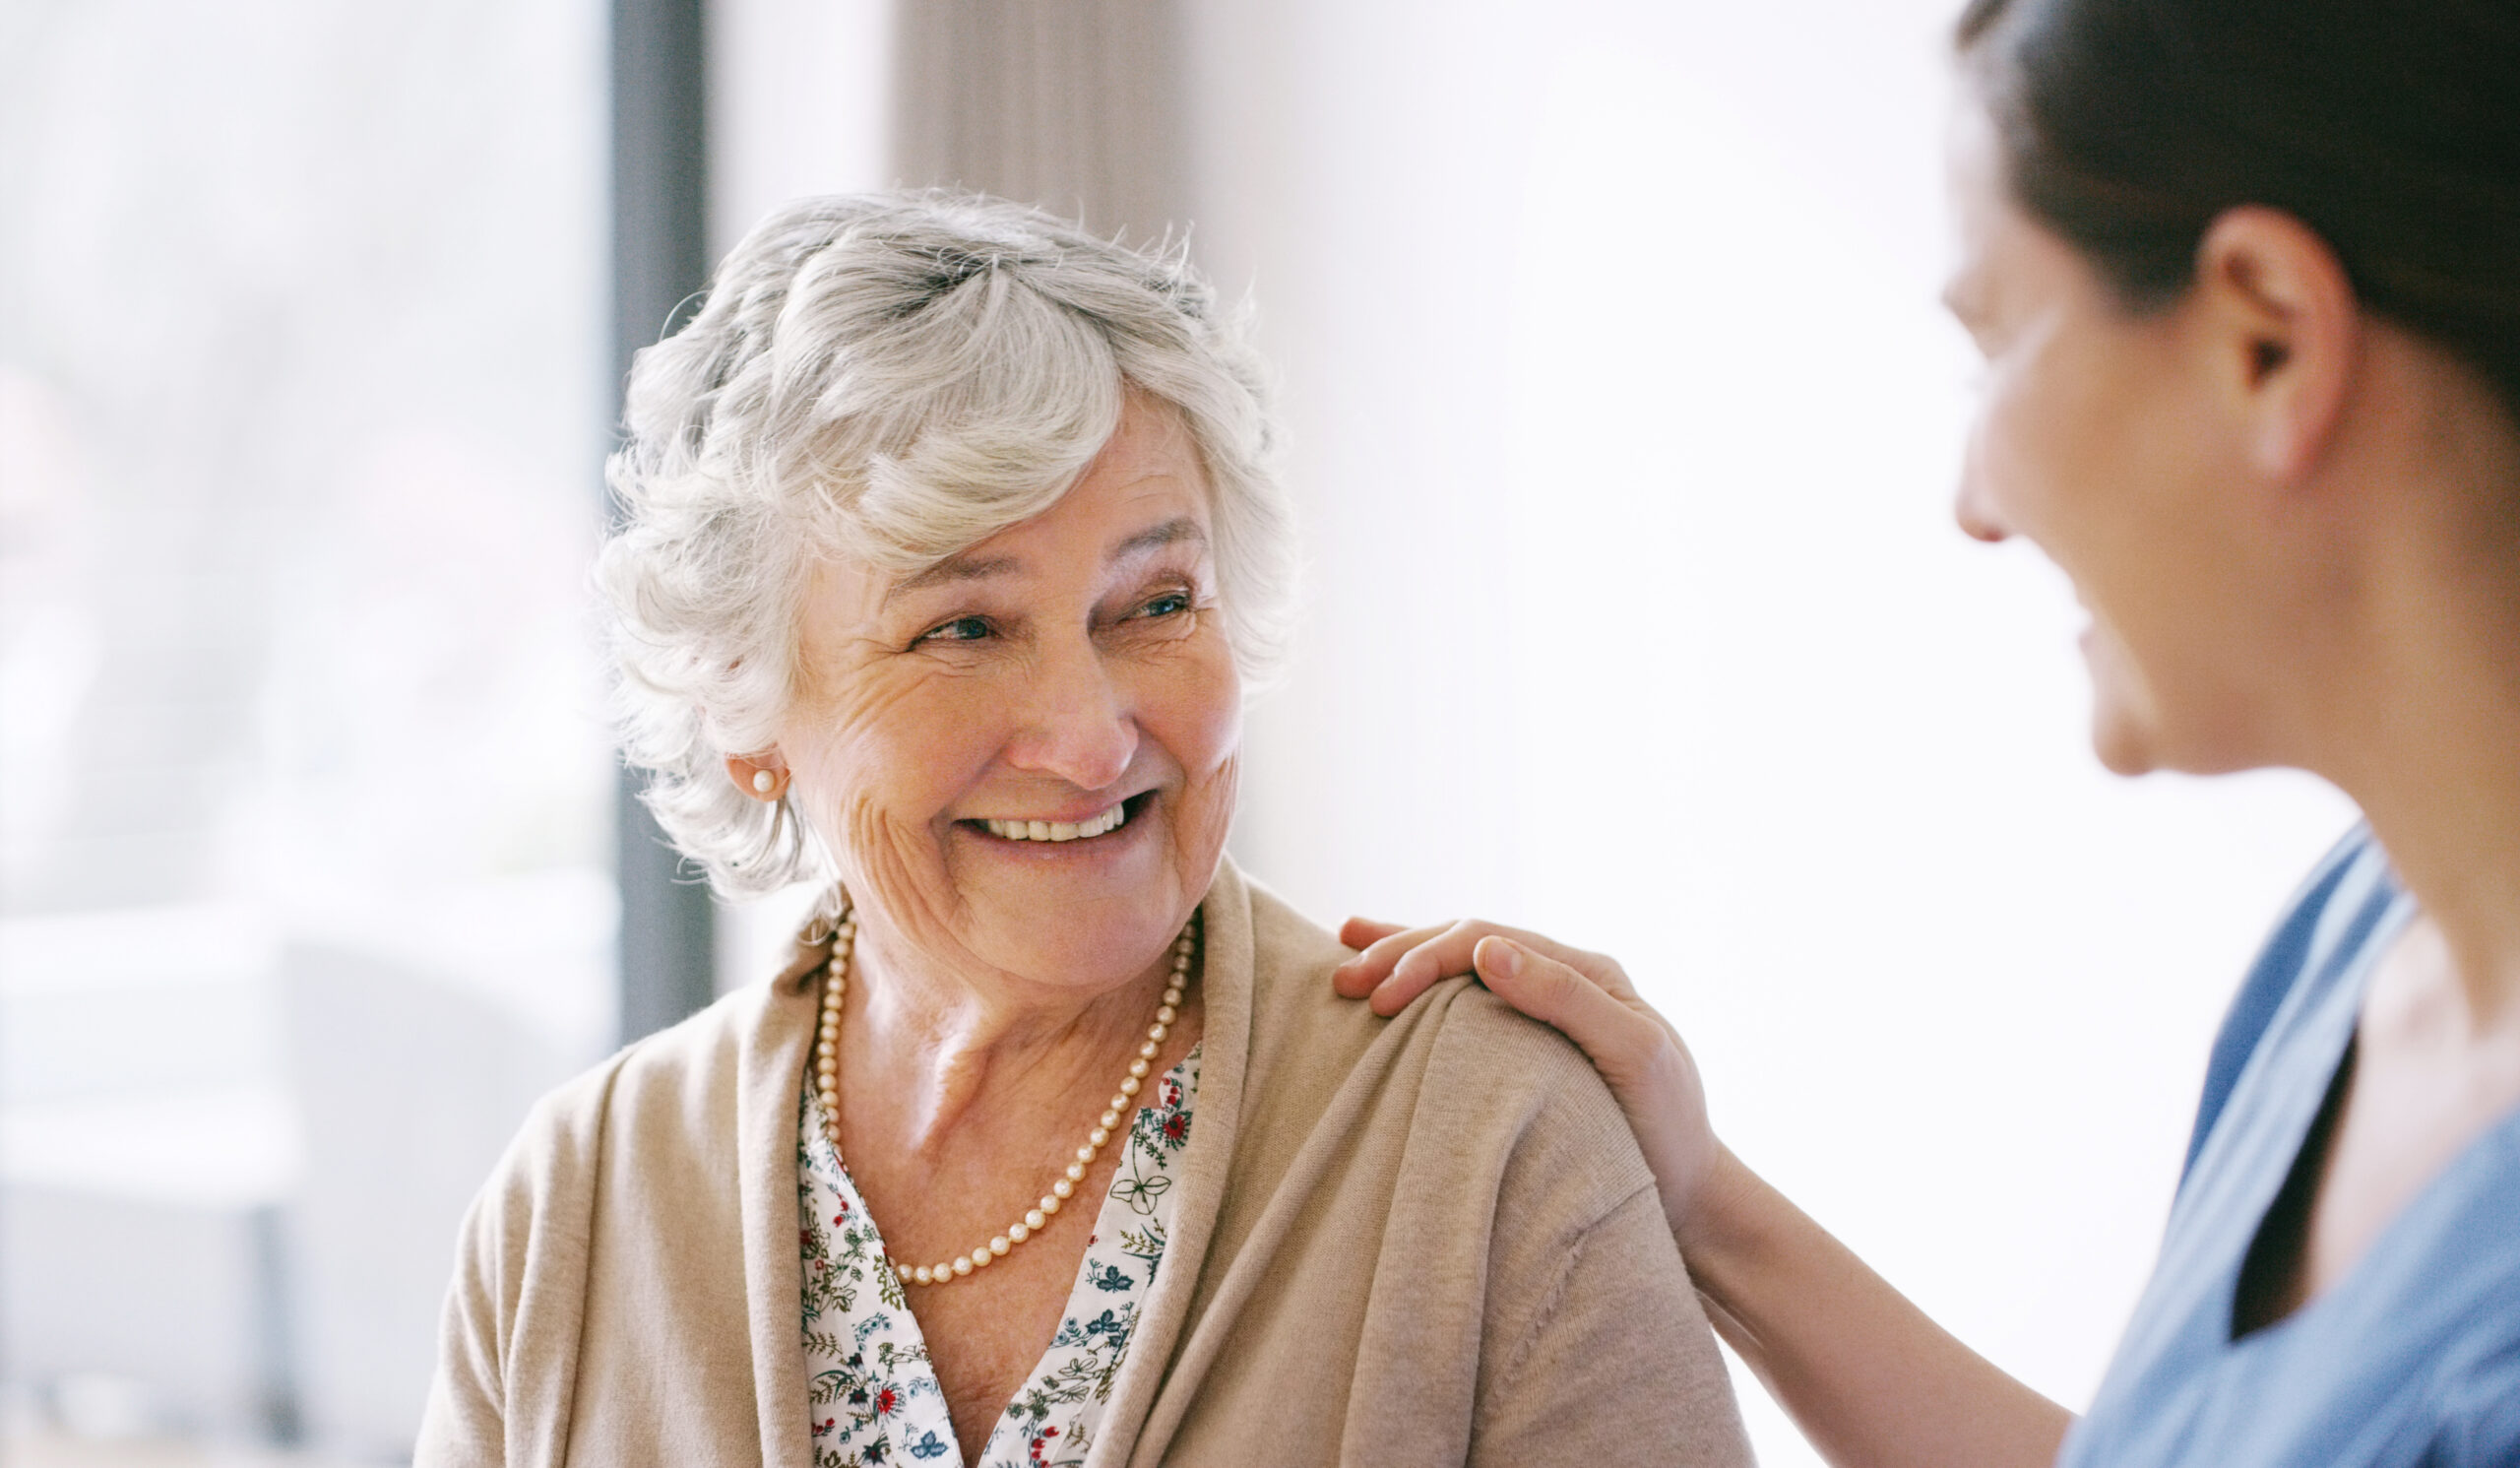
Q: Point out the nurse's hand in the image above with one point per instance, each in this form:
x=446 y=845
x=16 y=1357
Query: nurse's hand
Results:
x=1587 y=998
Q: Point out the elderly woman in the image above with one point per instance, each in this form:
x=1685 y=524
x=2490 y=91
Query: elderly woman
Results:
x=952 y=542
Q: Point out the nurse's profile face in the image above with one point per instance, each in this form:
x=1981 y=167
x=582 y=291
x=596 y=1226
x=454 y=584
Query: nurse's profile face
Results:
x=2111 y=438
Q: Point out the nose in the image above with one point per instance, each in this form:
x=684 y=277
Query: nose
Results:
x=1973 y=506
x=1081 y=726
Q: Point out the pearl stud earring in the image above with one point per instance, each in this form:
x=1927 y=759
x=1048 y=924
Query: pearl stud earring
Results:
x=764 y=781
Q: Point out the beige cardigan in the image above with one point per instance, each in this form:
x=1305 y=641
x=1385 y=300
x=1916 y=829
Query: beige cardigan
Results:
x=1423 y=1240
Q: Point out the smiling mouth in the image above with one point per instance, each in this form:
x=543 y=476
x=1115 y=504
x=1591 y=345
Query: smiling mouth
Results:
x=1055 y=830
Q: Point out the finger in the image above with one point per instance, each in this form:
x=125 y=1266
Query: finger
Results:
x=1448 y=954
x=1396 y=980
x=1392 y=995
x=1616 y=1036
x=1357 y=977
x=1442 y=955
x=1430 y=957
x=1365 y=932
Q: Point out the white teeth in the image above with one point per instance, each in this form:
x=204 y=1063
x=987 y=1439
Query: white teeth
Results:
x=1109 y=820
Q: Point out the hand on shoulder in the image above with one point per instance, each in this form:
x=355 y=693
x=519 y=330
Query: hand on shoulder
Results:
x=1587 y=997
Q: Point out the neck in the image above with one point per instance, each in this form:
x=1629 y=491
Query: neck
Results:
x=2423 y=723
x=2451 y=832
x=951 y=1043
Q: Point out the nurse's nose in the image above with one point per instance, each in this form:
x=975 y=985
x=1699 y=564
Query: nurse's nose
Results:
x=1973 y=506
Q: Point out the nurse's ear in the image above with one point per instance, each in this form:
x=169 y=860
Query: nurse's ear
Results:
x=2285 y=333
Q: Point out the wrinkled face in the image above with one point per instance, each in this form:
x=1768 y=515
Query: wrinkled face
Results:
x=1024 y=759
x=2098 y=438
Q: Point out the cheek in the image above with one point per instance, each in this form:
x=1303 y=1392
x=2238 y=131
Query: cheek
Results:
x=879 y=759
x=1197 y=712
x=1193 y=709
x=2060 y=444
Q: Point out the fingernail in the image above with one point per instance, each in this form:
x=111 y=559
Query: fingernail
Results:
x=1504 y=960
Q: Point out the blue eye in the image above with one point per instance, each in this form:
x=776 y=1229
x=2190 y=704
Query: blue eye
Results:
x=960 y=629
x=1170 y=603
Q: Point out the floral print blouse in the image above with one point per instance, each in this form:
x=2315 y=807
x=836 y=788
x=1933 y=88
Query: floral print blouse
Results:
x=872 y=1397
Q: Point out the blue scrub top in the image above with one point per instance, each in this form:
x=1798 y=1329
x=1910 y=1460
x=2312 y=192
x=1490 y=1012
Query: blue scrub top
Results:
x=2412 y=1357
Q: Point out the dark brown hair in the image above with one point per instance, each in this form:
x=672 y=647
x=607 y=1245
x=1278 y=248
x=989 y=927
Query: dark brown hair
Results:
x=2391 y=128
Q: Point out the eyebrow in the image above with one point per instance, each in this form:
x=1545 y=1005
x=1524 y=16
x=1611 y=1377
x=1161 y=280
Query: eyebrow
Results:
x=952 y=569
x=955 y=569
x=1172 y=532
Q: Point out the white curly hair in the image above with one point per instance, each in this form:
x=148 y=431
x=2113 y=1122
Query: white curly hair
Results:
x=894 y=377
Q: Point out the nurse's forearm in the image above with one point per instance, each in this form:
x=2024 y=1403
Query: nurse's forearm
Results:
x=1871 y=1379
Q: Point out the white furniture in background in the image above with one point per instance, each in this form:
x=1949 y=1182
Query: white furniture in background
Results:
x=232 y=1161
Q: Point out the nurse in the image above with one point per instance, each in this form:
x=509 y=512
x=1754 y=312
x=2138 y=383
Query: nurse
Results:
x=2246 y=277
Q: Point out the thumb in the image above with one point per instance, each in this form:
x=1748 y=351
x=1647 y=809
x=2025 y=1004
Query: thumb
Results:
x=1538 y=985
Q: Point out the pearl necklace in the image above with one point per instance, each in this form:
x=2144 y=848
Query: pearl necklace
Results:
x=827 y=1089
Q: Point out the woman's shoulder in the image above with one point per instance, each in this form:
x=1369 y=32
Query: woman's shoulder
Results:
x=619 y=1197
x=1292 y=957
x=672 y=1093
x=1512 y=1095
x=1443 y=1215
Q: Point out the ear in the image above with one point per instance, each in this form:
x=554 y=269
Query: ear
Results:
x=746 y=771
x=2287 y=328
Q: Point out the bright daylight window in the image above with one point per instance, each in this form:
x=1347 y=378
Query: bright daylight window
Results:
x=305 y=797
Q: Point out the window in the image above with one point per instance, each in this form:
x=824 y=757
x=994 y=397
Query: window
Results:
x=305 y=854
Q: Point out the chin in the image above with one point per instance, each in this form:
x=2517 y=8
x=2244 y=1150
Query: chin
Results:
x=2136 y=740
x=1090 y=943
x=2135 y=730
x=1080 y=912
x=2123 y=734
x=2122 y=750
